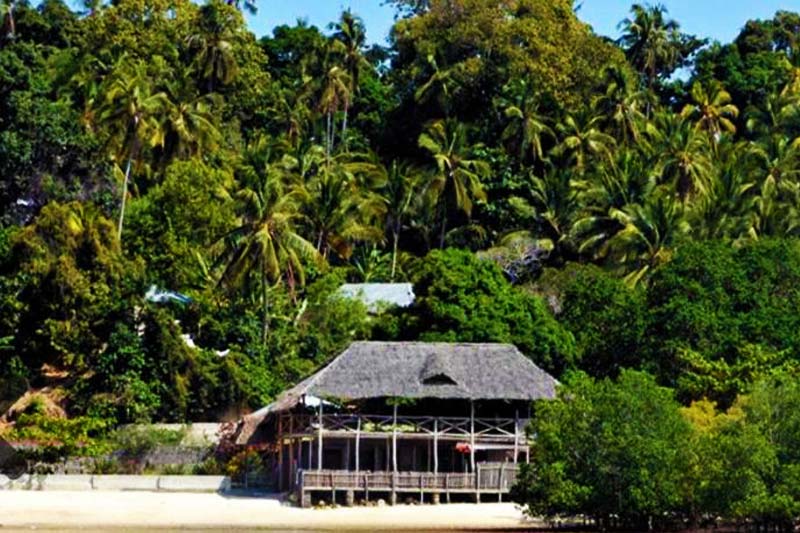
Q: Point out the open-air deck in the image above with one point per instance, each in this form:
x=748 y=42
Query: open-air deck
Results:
x=358 y=454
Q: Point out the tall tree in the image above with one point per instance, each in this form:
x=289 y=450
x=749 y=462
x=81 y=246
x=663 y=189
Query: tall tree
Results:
x=266 y=248
x=712 y=110
x=459 y=172
x=654 y=44
x=349 y=39
x=211 y=46
x=133 y=112
x=527 y=125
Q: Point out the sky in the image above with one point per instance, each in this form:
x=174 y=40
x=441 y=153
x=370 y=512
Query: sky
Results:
x=716 y=19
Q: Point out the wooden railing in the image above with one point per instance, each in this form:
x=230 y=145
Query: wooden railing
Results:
x=488 y=477
x=444 y=427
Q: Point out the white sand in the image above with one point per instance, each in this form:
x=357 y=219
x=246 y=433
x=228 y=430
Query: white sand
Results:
x=71 y=510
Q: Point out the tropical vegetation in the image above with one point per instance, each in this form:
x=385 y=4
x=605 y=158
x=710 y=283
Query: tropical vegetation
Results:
x=180 y=201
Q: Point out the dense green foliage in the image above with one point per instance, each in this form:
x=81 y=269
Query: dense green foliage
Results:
x=627 y=454
x=539 y=185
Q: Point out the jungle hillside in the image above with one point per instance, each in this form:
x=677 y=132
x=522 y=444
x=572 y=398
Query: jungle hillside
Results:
x=180 y=201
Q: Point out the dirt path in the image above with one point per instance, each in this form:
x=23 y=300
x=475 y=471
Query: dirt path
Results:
x=95 y=509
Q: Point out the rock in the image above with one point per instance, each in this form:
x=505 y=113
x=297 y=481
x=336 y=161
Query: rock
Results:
x=381 y=503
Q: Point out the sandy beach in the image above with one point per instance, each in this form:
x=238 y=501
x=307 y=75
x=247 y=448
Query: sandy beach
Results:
x=136 y=510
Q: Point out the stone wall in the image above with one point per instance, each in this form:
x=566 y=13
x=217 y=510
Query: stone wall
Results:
x=60 y=482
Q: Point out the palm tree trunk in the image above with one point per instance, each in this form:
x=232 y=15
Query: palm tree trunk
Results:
x=444 y=225
x=396 y=241
x=344 y=127
x=12 y=28
x=265 y=306
x=124 y=197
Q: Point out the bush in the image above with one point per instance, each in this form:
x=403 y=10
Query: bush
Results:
x=460 y=298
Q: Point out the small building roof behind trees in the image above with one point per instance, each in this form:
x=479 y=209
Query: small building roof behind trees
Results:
x=375 y=295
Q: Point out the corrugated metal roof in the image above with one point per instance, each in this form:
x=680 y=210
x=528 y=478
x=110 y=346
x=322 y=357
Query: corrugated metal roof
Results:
x=375 y=294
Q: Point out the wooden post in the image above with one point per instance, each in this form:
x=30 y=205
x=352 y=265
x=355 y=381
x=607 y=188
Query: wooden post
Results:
x=319 y=436
x=358 y=442
x=310 y=464
x=280 y=455
x=472 y=435
x=478 y=485
x=299 y=455
x=290 y=484
x=500 y=483
x=436 y=446
x=516 y=435
x=346 y=461
x=394 y=440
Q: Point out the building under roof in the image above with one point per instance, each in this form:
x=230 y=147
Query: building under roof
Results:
x=463 y=414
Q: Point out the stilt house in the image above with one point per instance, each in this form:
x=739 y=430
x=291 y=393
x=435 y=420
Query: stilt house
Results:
x=404 y=419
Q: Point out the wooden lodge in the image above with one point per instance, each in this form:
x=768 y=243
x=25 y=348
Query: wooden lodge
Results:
x=428 y=421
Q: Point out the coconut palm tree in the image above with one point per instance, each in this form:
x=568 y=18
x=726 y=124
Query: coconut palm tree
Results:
x=266 y=247
x=335 y=96
x=682 y=155
x=459 y=173
x=526 y=127
x=649 y=234
x=189 y=128
x=133 y=113
x=581 y=139
x=340 y=203
x=244 y=5
x=9 y=26
x=603 y=193
x=649 y=41
x=712 y=110
x=404 y=183
x=775 y=115
x=211 y=47
x=349 y=39
x=621 y=106
x=725 y=213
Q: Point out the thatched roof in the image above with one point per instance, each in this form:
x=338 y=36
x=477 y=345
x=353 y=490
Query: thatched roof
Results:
x=420 y=370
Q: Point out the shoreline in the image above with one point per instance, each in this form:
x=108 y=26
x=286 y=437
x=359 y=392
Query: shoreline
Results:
x=62 y=510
